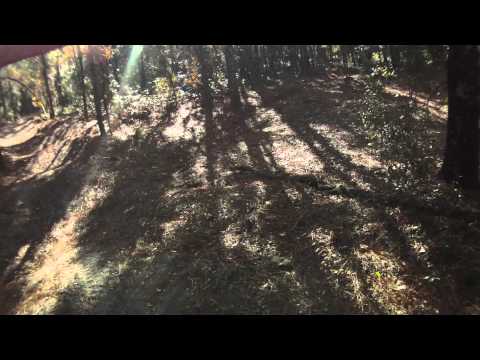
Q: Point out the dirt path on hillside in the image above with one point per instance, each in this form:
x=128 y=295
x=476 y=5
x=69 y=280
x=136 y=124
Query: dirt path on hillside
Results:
x=165 y=222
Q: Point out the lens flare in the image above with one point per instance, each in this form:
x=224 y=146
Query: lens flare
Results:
x=132 y=62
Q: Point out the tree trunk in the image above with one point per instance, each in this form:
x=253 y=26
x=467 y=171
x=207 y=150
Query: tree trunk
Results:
x=83 y=88
x=395 y=57
x=61 y=99
x=437 y=52
x=386 y=57
x=304 y=61
x=3 y=101
x=461 y=158
x=415 y=61
x=12 y=99
x=231 y=73
x=97 y=93
x=3 y=162
x=245 y=63
x=143 y=75
x=26 y=106
x=293 y=57
x=48 y=93
x=106 y=92
x=205 y=75
x=330 y=53
x=115 y=66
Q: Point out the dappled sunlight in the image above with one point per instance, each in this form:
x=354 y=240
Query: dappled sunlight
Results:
x=52 y=270
x=359 y=158
x=21 y=132
x=439 y=110
x=54 y=266
x=273 y=187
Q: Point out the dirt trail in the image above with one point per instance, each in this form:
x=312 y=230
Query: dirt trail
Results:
x=160 y=223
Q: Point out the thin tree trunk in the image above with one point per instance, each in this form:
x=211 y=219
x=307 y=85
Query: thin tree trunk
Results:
x=205 y=74
x=83 y=88
x=12 y=101
x=3 y=162
x=106 y=93
x=231 y=72
x=97 y=96
x=395 y=57
x=3 y=101
x=143 y=75
x=44 y=62
x=386 y=57
x=58 y=88
x=304 y=60
x=115 y=65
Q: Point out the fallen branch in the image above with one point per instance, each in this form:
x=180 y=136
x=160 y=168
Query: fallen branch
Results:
x=402 y=200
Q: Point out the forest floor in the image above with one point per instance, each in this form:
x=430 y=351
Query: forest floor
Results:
x=283 y=207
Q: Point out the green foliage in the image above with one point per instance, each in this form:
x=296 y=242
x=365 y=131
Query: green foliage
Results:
x=400 y=133
x=161 y=85
x=382 y=72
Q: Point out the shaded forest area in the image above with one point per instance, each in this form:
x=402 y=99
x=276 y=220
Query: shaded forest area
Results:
x=241 y=179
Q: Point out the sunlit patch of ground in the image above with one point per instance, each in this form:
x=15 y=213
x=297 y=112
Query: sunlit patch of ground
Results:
x=288 y=151
x=54 y=154
x=15 y=133
x=338 y=139
x=437 y=109
x=55 y=266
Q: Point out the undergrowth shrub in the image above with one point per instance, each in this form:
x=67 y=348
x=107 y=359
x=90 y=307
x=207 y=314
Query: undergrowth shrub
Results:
x=399 y=133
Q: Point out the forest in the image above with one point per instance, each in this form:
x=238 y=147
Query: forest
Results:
x=239 y=179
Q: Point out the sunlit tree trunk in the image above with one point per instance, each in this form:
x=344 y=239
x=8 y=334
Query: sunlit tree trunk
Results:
x=106 y=92
x=48 y=93
x=61 y=98
x=461 y=159
x=83 y=87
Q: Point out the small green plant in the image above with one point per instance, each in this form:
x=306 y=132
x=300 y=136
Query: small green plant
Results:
x=161 y=86
x=382 y=72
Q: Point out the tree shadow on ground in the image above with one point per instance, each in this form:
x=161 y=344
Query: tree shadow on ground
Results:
x=453 y=274
x=230 y=243
x=32 y=207
x=169 y=238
